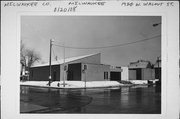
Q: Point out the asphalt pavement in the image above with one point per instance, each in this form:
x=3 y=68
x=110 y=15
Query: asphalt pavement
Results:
x=122 y=100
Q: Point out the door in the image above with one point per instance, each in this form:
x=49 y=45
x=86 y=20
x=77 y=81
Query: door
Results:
x=138 y=74
x=54 y=76
x=70 y=75
x=74 y=72
x=115 y=76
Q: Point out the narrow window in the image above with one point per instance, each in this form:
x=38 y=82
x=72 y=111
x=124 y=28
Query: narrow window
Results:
x=105 y=75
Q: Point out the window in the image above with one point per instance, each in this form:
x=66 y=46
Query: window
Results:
x=105 y=75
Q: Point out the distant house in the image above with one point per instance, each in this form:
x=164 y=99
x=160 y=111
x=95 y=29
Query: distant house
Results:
x=141 y=70
x=80 y=68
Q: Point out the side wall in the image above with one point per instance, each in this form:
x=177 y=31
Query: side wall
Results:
x=125 y=73
x=42 y=73
x=132 y=74
x=94 y=59
x=95 y=72
x=147 y=74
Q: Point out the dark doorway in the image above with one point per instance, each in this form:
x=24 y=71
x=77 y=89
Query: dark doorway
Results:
x=115 y=76
x=74 y=72
x=158 y=73
x=70 y=75
x=158 y=76
x=138 y=74
x=54 y=76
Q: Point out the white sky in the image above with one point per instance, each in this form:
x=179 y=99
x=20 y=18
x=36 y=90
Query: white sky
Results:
x=94 y=31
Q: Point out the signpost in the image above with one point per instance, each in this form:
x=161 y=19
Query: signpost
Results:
x=63 y=65
x=84 y=71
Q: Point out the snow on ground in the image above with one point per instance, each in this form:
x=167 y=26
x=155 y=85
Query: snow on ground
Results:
x=140 y=82
x=73 y=84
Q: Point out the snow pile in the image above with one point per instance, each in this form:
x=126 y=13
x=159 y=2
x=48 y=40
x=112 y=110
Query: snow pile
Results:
x=73 y=84
x=91 y=84
x=139 y=81
x=34 y=83
x=103 y=84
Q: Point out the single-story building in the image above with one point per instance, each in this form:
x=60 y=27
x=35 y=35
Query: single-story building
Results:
x=141 y=70
x=80 y=68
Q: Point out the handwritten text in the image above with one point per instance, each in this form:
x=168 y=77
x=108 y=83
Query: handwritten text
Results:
x=87 y=3
x=17 y=4
x=65 y=9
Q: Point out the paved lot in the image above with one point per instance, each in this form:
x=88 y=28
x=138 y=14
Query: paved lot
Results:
x=125 y=100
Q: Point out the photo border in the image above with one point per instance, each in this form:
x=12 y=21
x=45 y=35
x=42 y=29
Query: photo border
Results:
x=166 y=52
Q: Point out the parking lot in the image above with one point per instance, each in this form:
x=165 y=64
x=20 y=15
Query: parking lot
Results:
x=122 y=100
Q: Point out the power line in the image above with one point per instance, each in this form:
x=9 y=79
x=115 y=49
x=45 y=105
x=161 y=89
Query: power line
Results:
x=118 y=45
x=55 y=56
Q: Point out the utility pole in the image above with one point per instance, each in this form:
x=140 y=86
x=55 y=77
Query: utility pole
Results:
x=63 y=65
x=158 y=60
x=85 y=78
x=84 y=71
x=50 y=62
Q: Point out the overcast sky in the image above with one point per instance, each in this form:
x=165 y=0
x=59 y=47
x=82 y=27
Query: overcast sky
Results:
x=94 y=31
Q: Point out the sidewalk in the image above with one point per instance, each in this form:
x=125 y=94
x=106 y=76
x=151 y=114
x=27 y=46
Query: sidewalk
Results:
x=73 y=84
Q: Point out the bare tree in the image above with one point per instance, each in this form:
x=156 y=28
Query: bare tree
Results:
x=22 y=54
x=32 y=57
x=28 y=56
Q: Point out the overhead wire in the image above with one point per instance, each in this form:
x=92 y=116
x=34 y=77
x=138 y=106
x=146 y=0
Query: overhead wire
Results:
x=55 y=55
x=110 y=46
